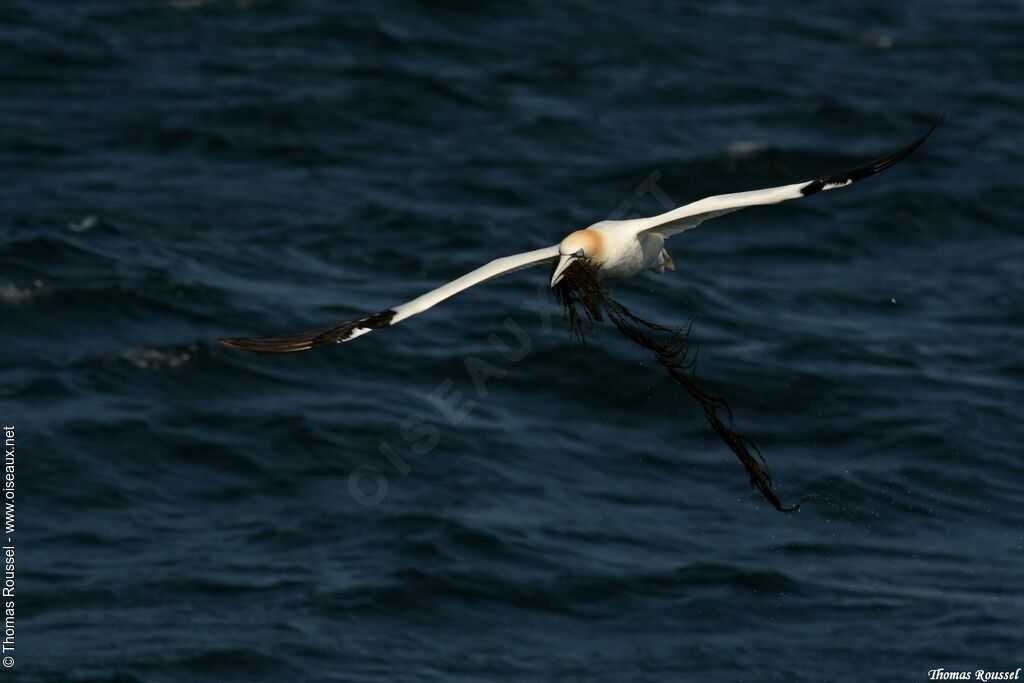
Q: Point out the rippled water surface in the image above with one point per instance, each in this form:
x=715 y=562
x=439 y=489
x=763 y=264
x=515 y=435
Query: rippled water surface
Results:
x=177 y=171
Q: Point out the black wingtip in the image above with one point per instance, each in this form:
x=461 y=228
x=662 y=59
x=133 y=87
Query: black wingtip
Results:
x=869 y=169
x=314 y=339
x=290 y=344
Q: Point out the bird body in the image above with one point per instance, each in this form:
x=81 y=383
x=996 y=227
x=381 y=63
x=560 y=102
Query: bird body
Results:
x=617 y=249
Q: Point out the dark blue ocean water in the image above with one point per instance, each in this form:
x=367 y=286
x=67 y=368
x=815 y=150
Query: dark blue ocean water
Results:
x=172 y=172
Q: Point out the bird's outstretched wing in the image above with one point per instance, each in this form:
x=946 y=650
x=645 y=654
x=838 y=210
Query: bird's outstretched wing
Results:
x=695 y=213
x=347 y=331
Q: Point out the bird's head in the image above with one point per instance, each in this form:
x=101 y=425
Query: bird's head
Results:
x=583 y=244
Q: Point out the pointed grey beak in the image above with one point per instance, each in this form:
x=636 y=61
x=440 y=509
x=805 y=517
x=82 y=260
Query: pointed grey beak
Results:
x=563 y=263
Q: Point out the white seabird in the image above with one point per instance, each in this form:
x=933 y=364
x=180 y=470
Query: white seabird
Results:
x=618 y=249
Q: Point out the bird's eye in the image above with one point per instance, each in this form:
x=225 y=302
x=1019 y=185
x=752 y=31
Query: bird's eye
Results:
x=579 y=254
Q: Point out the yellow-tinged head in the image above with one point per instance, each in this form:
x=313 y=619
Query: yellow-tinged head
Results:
x=580 y=244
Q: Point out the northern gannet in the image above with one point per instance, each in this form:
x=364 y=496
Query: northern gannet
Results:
x=617 y=249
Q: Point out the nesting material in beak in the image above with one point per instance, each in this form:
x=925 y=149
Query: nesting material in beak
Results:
x=586 y=300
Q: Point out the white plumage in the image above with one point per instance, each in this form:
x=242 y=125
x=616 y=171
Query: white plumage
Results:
x=619 y=249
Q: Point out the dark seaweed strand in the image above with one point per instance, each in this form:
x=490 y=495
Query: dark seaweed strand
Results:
x=581 y=288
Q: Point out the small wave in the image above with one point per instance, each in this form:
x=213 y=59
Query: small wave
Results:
x=13 y=294
x=155 y=359
x=745 y=148
x=87 y=223
x=879 y=40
